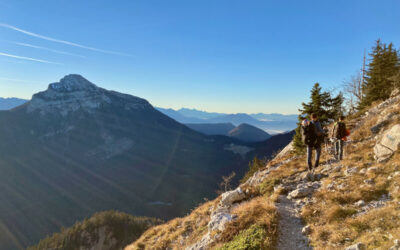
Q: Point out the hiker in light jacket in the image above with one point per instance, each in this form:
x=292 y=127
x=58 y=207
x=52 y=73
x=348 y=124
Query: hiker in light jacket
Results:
x=339 y=133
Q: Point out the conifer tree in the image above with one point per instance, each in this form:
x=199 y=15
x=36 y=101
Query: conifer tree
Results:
x=384 y=65
x=321 y=104
x=336 y=106
x=395 y=80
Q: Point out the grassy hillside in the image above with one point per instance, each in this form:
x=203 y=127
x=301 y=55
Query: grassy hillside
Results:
x=107 y=230
x=355 y=201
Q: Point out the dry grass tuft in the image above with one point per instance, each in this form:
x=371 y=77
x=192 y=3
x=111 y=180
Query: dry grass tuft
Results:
x=336 y=213
x=257 y=210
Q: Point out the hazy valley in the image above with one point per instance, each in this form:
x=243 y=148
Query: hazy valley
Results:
x=76 y=149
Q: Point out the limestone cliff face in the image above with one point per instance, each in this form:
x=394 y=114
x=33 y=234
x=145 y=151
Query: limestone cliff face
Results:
x=74 y=92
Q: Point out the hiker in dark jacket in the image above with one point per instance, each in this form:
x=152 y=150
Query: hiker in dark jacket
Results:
x=339 y=133
x=313 y=135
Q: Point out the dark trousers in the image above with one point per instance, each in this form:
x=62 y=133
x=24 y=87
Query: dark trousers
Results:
x=317 y=155
x=339 y=149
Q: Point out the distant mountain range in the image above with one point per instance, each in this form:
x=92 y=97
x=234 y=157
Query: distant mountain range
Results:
x=243 y=132
x=194 y=113
x=76 y=149
x=10 y=103
x=212 y=128
x=271 y=123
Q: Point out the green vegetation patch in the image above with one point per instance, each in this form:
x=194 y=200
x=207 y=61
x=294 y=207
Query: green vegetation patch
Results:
x=253 y=238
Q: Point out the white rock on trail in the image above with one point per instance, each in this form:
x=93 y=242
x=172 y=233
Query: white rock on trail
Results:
x=358 y=246
x=306 y=230
x=360 y=203
x=304 y=189
x=396 y=245
x=372 y=170
x=369 y=181
x=350 y=171
x=337 y=169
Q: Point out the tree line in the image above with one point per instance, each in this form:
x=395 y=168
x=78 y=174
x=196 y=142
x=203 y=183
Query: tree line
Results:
x=373 y=83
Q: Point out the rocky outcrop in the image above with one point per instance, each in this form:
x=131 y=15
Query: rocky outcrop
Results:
x=378 y=109
x=388 y=144
x=219 y=217
x=228 y=198
x=383 y=121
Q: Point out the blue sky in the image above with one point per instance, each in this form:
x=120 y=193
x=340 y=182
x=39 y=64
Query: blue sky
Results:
x=215 y=55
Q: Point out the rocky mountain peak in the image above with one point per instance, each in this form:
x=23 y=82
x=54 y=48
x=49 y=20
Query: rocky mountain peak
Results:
x=73 y=92
x=72 y=82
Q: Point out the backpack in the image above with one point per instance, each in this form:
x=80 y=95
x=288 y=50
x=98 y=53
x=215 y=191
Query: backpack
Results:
x=308 y=134
x=339 y=130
